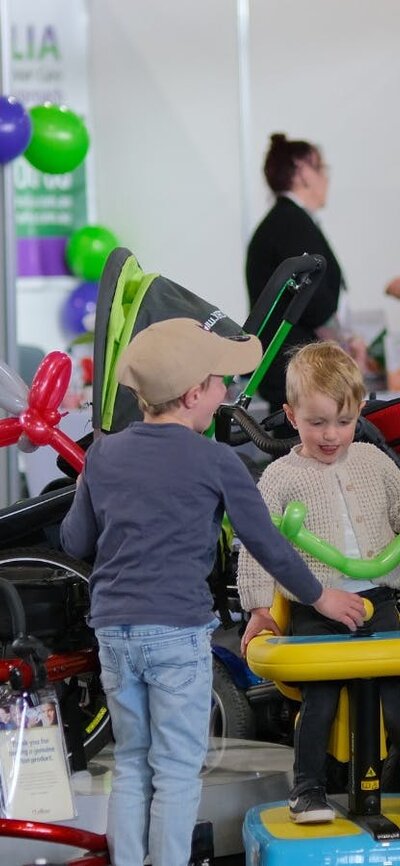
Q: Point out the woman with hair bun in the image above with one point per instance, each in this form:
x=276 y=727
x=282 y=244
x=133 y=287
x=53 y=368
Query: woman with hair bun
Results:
x=297 y=175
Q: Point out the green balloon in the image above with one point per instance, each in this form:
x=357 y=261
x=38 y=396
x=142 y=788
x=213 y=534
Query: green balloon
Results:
x=291 y=525
x=87 y=251
x=59 y=140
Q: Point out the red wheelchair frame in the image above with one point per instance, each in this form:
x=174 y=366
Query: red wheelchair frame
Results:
x=94 y=843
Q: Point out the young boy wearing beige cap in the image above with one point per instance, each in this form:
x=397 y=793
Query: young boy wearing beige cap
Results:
x=148 y=509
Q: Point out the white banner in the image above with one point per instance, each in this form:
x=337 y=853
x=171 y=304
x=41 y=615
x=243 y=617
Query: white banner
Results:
x=48 y=53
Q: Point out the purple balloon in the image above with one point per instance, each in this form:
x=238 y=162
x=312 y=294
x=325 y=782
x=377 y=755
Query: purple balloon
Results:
x=80 y=303
x=15 y=128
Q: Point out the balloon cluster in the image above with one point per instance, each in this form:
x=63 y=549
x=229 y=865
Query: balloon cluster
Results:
x=15 y=128
x=79 y=309
x=86 y=253
x=36 y=410
x=51 y=137
x=60 y=140
x=55 y=141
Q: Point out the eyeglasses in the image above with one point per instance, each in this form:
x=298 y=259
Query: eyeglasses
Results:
x=321 y=168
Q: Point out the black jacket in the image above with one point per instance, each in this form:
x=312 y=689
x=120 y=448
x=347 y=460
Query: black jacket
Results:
x=288 y=230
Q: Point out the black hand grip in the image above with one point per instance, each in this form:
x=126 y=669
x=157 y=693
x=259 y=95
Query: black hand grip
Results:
x=308 y=284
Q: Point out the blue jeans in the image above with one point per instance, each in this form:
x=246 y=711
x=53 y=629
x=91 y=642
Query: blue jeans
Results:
x=158 y=685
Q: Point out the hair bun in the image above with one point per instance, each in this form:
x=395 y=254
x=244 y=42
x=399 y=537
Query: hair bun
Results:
x=278 y=139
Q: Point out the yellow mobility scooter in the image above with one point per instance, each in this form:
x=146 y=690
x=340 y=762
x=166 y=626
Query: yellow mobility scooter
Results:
x=367 y=827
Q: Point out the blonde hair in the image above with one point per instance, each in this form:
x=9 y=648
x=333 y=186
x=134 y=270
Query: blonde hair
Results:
x=159 y=409
x=163 y=408
x=327 y=368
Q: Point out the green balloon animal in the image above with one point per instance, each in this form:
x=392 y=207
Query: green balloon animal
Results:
x=291 y=525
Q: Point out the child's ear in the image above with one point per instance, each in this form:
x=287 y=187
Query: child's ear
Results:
x=191 y=397
x=290 y=415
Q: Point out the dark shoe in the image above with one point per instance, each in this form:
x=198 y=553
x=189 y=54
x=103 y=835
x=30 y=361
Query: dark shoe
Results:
x=311 y=807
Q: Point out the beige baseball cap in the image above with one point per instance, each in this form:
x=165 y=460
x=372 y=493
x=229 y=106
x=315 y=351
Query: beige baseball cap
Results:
x=166 y=359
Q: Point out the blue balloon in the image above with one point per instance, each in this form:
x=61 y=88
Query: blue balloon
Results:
x=15 y=128
x=78 y=311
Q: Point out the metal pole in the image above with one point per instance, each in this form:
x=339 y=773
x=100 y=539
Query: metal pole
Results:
x=245 y=150
x=9 y=476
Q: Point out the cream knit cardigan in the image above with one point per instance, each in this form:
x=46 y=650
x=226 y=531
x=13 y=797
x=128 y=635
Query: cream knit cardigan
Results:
x=370 y=484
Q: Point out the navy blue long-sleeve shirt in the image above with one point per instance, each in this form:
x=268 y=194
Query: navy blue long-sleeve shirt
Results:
x=148 y=509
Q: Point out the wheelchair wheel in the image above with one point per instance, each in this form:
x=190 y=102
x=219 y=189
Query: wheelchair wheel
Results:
x=83 y=692
x=231 y=713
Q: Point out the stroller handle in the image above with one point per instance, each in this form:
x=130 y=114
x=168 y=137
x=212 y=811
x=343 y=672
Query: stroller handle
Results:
x=250 y=431
x=307 y=270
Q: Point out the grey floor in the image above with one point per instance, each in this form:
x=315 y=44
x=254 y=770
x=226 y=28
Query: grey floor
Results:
x=238 y=774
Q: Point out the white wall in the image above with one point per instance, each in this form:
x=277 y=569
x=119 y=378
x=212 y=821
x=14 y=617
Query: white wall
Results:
x=330 y=72
x=165 y=110
x=163 y=80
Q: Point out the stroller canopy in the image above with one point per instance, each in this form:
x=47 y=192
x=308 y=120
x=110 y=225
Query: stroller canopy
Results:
x=128 y=301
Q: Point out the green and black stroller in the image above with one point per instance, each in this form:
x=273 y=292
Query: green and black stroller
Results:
x=130 y=300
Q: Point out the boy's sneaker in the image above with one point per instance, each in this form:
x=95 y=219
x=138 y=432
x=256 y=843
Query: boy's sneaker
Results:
x=311 y=807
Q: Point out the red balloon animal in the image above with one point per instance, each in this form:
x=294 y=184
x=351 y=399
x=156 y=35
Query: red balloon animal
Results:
x=39 y=416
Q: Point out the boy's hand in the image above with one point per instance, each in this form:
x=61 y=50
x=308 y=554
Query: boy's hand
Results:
x=346 y=607
x=260 y=620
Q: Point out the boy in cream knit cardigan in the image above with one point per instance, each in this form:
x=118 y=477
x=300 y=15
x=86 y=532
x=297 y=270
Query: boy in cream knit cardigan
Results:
x=352 y=494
